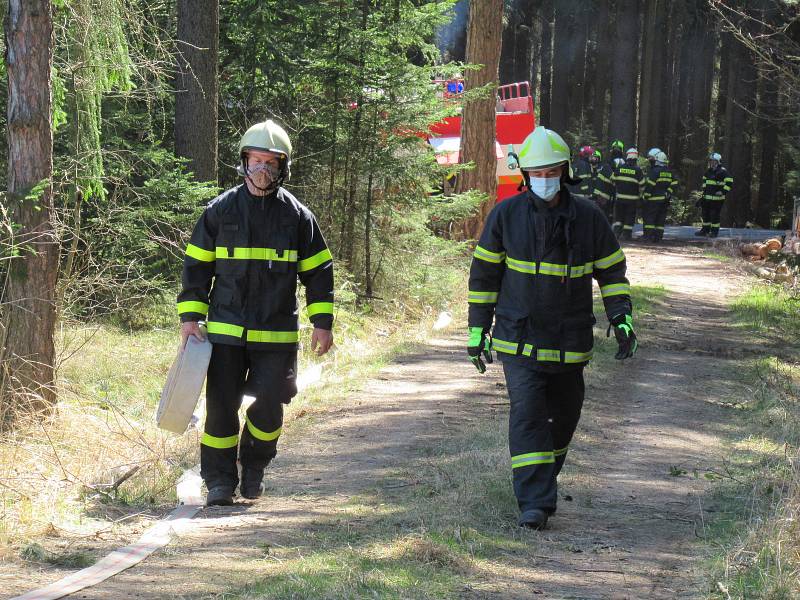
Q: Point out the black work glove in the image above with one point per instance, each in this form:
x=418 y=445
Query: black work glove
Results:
x=480 y=342
x=626 y=338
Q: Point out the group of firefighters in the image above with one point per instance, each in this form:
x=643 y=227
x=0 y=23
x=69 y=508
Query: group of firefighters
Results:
x=620 y=187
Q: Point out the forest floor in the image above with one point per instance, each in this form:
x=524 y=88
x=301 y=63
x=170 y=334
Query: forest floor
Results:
x=403 y=489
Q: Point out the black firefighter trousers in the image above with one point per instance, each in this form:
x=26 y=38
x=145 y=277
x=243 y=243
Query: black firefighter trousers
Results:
x=624 y=218
x=233 y=372
x=545 y=409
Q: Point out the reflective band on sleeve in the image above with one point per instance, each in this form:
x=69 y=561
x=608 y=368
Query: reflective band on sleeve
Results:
x=504 y=346
x=548 y=355
x=312 y=262
x=192 y=307
x=532 y=458
x=219 y=442
x=527 y=350
x=602 y=194
x=488 y=255
x=199 y=254
x=616 y=289
x=482 y=297
x=577 y=357
x=273 y=337
x=217 y=328
x=264 y=436
x=320 y=308
x=257 y=254
x=610 y=260
x=627 y=196
x=560 y=452
x=523 y=266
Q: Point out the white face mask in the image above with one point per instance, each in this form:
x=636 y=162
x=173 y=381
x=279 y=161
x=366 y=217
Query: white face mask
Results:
x=545 y=187
x=262 y=174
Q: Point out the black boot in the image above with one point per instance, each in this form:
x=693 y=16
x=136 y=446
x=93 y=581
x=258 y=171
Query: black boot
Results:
x=251 y=486
x=221 y=495
x=534 y=518
x=701 y=232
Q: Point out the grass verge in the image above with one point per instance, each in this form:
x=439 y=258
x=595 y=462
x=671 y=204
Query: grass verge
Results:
x=754 y=539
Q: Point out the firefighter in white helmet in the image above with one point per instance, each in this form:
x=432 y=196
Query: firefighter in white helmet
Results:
x=532 y=275
x=245 y=256
x=717 y=182
x=628 y=180
x=658 y=191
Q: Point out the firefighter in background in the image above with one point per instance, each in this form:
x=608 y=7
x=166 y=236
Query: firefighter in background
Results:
x=532 y=274
x=658 y=189
x=716 y=185
x=584 y=171
x=240 y=274
x=628 y=181
x=651 y=156
x=604 y=188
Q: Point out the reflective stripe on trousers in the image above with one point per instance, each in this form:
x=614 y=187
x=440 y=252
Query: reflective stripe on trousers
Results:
x=544 y=412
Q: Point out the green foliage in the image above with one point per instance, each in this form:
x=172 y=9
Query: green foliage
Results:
x=769 y=308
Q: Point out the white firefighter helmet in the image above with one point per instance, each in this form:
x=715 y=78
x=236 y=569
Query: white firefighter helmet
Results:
x=544 y=148
x=268 y=137
x=632 y=153
x=653 y=152
x=661 y=158
x=715 y=156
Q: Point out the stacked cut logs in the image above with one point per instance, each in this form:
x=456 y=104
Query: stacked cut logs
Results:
x=760 y=251
x=775 y=261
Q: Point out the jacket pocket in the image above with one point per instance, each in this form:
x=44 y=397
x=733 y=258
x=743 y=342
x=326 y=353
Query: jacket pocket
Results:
x=510 y=324
x=225 y=292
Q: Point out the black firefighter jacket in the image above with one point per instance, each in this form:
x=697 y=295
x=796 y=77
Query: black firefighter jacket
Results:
x=532 y=270
x=253 y=250
x=716 y=184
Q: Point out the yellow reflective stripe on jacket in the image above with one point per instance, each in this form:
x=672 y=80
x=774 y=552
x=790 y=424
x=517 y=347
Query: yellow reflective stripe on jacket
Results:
x=654 y=198
x=482 y=297
x=616 y=289
x=257 y=254
x=560 y=452
x=581 y=270
x=523 y=266
x=199 y=254
x=218 y=328
x=191 y=306
x=577 y=357
x=527 y=350
x=504 y=346
x=627 y=196
x=610 y=260
x=532 y=458
x=628 y=179
x=552 y=269
x=220 y=443
x=545 y=355
x=312 y=262
x=602 y=194
x=715 y=197
x=320 y=308
x=264 y=436
x=603 y=178
x=488 y=255
x=273 y=337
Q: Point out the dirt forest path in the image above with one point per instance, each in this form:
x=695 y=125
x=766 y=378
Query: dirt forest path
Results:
x=626 y=527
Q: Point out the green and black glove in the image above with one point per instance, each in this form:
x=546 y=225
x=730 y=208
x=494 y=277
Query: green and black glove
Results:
x=626 y=338
x=480 y=342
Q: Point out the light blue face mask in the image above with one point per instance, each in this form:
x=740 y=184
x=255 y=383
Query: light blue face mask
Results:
x=545 y=187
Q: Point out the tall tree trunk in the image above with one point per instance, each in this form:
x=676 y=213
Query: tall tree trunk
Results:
x=702 y=42
x=546 y=52
x=649 y=73
x=484 y=34
x=602 y=66
x=624 y=82
x=197 y=86
x=672 y=82
x=27 y=354
x=569 y=61
x=722 y=92
x=768 y=127
x=739 y=127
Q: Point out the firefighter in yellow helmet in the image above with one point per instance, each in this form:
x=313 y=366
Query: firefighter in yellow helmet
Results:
x=246 y=253
x=531 y=275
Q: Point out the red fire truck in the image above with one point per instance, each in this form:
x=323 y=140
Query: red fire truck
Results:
x=514 y=121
